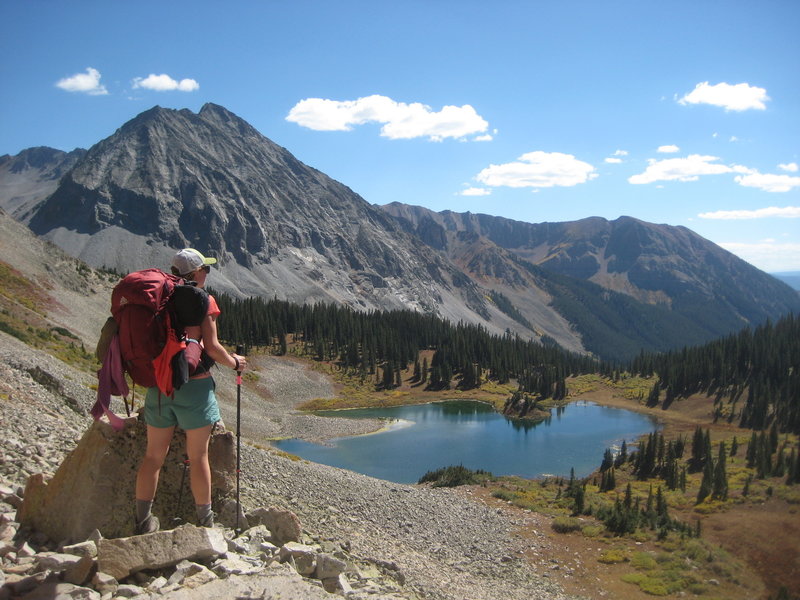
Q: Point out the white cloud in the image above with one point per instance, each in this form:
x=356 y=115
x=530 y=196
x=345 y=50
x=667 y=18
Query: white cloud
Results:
x=684 y=169
x=787 y=212
x=538 y=170
x=476 y=191
x=614 y=158
x=484 y=138
x=400 y=120
x=769 y=182
x=766 y=255
x=669 y=149
x=791 y=167
x=739 y=97
x=165 y=83
x=87 y=83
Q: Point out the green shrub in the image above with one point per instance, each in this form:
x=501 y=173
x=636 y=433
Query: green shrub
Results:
x=566 y=524
x=454 y=476
x=504 y=495
x=643 y=561
x=592 y=531
x=612 y=556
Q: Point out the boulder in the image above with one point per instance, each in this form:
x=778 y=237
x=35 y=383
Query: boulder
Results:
x=278 y=582
x=104 y=583
x=123 y=556
x=80 y=572
x=88 y=548
x=190 y=574
x=61 y=591
x=94 y=486
x=329 y=567
x=304 y=558
x=283 y=524
x=226 y=515
x=54 y=561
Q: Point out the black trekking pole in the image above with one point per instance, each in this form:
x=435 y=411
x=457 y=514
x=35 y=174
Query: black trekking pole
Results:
x=240 y=352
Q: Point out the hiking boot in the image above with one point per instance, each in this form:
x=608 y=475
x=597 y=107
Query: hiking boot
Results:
x=207 y=521
x=149 y=525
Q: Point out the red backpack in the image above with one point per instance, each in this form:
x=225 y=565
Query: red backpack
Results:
x=145 y=336
x=138 y=305
x=151 y=309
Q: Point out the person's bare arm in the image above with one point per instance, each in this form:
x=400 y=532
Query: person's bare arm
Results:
x=215 y=350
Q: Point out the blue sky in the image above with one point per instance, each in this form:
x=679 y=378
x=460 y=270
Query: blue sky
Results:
x=684 y=113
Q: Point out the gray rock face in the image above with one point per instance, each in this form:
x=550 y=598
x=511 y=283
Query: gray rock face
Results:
x=29 y=177
x=173 y=178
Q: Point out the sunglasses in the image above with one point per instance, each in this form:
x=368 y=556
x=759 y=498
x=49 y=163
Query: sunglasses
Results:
x=206 y=268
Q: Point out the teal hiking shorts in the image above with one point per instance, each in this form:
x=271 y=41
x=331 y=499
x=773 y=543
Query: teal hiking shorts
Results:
x=191 y=407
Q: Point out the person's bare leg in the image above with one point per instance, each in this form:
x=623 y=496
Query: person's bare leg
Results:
x=200 y=472
x=158 y=441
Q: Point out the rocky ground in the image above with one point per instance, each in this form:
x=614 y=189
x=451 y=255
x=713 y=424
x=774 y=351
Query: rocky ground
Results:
x=400 y=541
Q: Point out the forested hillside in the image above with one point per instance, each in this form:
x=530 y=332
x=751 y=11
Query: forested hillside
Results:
x=381 y=344
x=755 y=375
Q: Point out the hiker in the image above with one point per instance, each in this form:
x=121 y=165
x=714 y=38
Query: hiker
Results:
x=193 y=408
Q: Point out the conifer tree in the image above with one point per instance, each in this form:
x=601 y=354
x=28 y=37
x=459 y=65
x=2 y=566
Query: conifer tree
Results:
x=720 y=488
x=707 y=483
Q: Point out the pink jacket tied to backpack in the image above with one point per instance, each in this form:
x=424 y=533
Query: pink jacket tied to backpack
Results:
x=111 y=382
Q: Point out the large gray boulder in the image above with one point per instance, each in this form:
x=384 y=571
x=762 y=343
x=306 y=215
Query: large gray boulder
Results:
x=122 y=556
x=94 y=486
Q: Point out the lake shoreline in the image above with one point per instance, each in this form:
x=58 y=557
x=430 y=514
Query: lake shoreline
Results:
x=477 y=436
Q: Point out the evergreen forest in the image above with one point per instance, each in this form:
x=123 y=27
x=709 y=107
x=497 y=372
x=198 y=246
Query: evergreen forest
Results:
x=381 y=344
x=754 y=375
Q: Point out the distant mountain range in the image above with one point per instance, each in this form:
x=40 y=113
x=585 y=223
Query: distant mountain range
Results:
x=174 y=178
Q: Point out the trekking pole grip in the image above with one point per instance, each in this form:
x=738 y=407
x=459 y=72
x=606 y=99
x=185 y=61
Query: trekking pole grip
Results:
x=239 y=352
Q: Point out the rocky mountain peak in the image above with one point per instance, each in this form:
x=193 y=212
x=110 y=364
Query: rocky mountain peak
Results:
x=174 y=178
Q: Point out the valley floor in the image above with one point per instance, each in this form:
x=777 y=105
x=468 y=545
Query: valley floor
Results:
x=768 y=559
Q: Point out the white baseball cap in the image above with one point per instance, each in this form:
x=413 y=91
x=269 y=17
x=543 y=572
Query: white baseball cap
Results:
x=189 y=260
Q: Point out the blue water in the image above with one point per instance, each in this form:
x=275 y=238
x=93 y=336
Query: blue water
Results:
x=426 y=437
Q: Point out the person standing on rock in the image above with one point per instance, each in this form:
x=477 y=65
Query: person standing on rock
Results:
x=193 y=408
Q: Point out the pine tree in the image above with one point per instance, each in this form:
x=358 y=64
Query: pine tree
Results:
x=720 y=488
x=706 y=484
x=655 y=392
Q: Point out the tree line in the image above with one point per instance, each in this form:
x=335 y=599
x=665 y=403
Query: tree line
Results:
x=756 y=371
x=382 y=343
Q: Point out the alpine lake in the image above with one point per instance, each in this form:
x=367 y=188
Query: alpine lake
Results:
x=425 y=437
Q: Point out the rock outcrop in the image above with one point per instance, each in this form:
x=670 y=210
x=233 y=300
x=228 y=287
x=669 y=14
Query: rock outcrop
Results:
x=93 y=487
x=176 y=564
x=86 y=506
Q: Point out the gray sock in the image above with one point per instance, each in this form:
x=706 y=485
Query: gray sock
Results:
x=143 y=509
x=203 y=511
